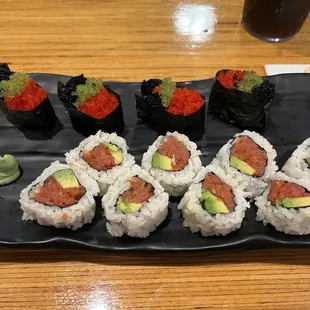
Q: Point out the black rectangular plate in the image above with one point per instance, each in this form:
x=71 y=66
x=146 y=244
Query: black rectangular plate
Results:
x=288 y=126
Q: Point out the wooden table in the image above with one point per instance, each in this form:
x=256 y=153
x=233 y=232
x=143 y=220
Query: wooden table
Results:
x=129 y=41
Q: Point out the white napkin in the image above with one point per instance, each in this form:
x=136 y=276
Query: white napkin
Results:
x=281 y=69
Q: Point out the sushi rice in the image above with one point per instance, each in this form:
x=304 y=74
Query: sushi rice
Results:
x=288 y=220
x=255 y=185
x=72 y=217
x=296 y=167
x=143 y=222
x=103 y=178
x=175 y=183
x=199 y=220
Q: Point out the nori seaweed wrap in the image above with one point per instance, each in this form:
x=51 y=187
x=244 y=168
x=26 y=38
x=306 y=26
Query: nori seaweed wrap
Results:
x=91 y=105
x=241 y=98
x=25 y=103
x=165 y=106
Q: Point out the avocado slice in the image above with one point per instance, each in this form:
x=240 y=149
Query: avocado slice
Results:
x=212 y=204
x=307 y=160
x=128 y=207
x=241 y=165
x=162 y=162
x=66 y=178
x=115 y=151
x=296 y=202
x=279 y=202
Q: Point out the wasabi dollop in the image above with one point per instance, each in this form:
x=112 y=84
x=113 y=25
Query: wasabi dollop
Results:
x=249 y=80
x=9 y=170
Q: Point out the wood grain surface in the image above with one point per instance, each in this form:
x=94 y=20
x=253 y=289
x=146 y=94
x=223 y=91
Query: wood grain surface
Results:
x=129 y=41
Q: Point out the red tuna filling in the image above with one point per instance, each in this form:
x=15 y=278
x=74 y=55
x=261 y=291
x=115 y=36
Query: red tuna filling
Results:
x=176 y=150
x=99 y=158
x=245 y=149
x=281 y=189
x=100 y=105
x=185 y=102
x=28 y=99
x=139 y=192
x=52 y=194
x=229 y=78
x=212 y=183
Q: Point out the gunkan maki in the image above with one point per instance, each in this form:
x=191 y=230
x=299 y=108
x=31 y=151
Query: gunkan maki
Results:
x=91 y=105
x=165 y=106
x=24 y=103
x=241 y=98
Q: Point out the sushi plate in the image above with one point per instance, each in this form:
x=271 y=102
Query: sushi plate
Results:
x=288 y=126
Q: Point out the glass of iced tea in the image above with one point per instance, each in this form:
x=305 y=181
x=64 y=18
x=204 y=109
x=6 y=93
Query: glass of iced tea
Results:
x=274 y=20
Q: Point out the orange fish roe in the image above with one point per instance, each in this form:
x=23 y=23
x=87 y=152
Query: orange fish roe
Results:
x=185 y=102
x=65 y=217
x=28 y=99
x=156 y=90
x=100 y=105
x=229 y=78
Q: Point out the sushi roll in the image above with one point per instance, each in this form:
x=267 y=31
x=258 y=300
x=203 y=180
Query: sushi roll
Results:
x=60 y=197
x=298 y=165
x=174 y=161
x=213 y=204
x=91 y=105
x=249 y=158
x=285 y=204
x=23 y=102
x=103 y=157
x=166 y=106
x=241 y=98
x=135 y=204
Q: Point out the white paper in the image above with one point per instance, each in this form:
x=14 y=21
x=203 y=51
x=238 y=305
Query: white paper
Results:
x=282 y=69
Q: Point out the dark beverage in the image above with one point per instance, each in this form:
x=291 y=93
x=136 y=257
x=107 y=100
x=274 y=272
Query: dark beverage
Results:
x=274 y=20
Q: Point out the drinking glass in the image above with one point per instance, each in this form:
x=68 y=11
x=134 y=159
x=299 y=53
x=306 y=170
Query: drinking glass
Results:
x=274 y=20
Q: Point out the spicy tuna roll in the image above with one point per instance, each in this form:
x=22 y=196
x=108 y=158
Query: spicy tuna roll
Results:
x=135 y=204
x=91 y=105
x=213 y=204
x=250 y=159
x=174 y=161
x=104 y=157
x=298 y=165
x=241 y=98
x=60 y=197
x=23 y=101
x=166 y=106
x=285 y=204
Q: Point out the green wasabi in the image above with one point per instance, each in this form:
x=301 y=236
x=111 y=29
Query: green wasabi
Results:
x=9 y=170
x=15 y=85
x=88 y=90
x=249 y=80
x=167 y=88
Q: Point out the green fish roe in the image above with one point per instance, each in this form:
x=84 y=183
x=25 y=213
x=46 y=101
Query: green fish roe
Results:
x=87 y=91
x=167 y=88
x=249 y=80
x=14 y=86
